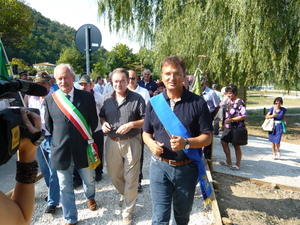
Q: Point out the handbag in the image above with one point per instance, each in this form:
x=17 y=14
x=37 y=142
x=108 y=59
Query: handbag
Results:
x=239 y=136
x=268 y=124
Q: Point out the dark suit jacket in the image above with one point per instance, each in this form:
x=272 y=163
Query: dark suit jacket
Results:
x=67 y=141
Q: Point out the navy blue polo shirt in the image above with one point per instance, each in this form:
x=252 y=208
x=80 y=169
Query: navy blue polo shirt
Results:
x=151 y=86
x=193 y=113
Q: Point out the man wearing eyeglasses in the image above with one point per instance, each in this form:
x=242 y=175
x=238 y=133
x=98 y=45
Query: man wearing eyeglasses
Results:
x=133 y=86
x=148 y=83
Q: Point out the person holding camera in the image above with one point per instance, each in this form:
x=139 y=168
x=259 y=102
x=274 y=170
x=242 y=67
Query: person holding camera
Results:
x=19 y=208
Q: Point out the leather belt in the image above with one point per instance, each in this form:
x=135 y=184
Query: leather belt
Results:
x=119 y=139
x=176 y=163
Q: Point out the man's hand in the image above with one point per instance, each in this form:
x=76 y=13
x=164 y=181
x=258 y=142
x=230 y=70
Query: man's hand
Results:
x=34 y=117
x=124 y=128
x=27 y=150
x=156 y=148
x=177 y=143
x=106 y=127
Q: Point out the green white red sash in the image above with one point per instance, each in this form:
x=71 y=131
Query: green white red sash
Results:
x=73 y=114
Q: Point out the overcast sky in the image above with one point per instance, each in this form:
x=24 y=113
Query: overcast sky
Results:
x=76 y=13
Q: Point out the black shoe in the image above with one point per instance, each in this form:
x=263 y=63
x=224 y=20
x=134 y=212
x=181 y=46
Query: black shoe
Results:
x=77 y=183
x=50 y=209
x=98 y=176
x=140 y=188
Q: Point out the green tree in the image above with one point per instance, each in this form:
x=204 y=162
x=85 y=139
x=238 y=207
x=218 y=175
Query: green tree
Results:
x=72 y=56
x=120 y=56
x=145 y=60
x=98 y=63
x=44 y=42
x=247 y=42
x=19 y=62
x=16 y=22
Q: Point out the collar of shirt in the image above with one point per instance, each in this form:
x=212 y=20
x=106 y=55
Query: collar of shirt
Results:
x=71 y=94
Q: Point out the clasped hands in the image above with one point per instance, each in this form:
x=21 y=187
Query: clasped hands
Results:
x=177 y=143
x=106 y=127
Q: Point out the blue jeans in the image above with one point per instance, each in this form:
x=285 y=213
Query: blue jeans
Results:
x=50 y=175
x=172 y=183
x=67 y=194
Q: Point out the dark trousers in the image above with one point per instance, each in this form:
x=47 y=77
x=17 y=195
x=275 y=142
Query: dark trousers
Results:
x=207 y=149
x=141 y=162
x=216 y=126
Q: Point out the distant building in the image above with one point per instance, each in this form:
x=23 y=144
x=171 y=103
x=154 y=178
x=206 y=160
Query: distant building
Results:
x=44 y=65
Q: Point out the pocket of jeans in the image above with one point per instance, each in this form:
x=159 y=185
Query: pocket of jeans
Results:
x=154 y=159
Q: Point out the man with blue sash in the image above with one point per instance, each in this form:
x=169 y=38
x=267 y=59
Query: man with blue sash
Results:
x=177 y=125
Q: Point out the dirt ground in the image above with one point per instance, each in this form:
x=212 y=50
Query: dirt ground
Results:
x=245 y=202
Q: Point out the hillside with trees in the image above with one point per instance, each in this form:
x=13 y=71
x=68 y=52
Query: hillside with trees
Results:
x=44 y=43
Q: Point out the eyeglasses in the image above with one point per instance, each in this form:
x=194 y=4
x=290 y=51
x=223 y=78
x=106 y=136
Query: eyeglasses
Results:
x=174 y=74
x=131 y=78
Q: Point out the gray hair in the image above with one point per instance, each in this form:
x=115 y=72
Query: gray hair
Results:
x=147 y=70
x=64 y=65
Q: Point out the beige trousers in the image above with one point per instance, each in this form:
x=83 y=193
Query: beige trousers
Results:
x=123 y=166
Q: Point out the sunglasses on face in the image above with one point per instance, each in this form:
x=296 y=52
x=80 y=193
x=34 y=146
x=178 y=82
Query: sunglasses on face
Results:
x=131 y=78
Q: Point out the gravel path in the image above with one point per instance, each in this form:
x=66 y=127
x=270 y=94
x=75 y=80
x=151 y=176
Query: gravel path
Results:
x=108 y=211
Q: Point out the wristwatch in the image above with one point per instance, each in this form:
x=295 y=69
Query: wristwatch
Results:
x=37 y=137
x=187 y=143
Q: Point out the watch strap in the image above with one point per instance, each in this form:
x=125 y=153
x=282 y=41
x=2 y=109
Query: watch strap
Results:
x=38 y=137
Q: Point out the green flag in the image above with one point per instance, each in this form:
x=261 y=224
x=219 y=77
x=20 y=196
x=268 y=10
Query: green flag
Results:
x=3 y=65
x=198 y=81
x=197 y=88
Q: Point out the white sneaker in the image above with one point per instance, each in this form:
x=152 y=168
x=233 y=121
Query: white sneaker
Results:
x=278 y=155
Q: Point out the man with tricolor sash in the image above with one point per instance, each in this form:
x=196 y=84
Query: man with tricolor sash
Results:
x=177 y=125
x=71 y=118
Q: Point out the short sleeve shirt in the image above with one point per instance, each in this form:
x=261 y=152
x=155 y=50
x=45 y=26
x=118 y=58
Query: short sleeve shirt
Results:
x=193 y=113
x=131 y=109
x=235 y=109
x=151 y=86
x=211 y=98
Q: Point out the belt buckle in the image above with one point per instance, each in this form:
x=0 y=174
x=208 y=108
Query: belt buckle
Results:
x=172 y=161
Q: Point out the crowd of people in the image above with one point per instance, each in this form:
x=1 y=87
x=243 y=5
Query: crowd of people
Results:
x=76 y=117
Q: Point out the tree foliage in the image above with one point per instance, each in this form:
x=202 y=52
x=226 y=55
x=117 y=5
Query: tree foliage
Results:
x=16 y=22
x=44 y=42
x=72 y=56
x=121 y=56
x=247 y=42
